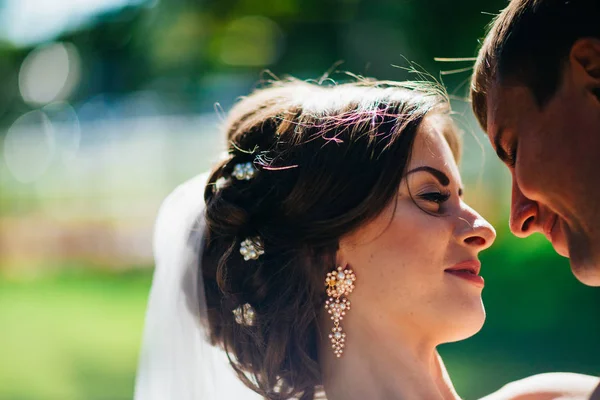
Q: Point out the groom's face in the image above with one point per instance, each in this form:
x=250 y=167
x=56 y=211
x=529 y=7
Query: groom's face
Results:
x=553 y=154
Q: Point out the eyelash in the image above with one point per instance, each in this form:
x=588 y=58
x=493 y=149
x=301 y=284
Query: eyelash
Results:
x=436 y=197
x=511 y=156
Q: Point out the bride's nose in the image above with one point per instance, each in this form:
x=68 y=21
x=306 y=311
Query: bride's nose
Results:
x=473 y=230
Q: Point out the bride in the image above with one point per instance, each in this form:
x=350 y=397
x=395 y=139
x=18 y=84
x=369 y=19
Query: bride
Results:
x=327 y=255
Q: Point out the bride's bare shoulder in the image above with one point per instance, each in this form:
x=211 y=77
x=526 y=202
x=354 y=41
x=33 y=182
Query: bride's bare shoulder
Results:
x=548 y=386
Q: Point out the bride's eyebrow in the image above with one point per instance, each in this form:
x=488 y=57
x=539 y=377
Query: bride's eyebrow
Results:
x=437 y=174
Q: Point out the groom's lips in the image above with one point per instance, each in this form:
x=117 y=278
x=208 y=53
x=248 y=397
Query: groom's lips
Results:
x=555 y=235
x=467 y=270
x=549 y=226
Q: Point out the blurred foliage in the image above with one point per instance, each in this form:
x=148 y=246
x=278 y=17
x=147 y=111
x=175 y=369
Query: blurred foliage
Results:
x=190 y=50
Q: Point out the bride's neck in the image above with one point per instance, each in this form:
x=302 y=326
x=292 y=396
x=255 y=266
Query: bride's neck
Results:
x=385 y=365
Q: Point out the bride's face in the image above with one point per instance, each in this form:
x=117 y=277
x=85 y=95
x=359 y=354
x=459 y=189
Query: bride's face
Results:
x=404 y=258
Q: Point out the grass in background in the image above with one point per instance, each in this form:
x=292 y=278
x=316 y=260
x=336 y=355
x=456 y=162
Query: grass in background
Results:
x=74 y=335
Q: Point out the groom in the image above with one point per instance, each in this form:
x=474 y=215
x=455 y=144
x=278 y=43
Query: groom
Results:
x=536 y=93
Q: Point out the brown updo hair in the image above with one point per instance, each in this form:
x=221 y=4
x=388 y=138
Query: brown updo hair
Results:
x=329 y=159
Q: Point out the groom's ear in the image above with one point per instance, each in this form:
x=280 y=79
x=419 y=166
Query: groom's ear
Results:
x=585 y=64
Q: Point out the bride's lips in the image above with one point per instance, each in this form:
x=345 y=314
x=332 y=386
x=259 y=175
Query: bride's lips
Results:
x=467 y=270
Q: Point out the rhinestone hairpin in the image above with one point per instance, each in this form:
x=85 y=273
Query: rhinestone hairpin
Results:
x=245 y=171
x=340 y=283
x=245 y=315
x=252 y=248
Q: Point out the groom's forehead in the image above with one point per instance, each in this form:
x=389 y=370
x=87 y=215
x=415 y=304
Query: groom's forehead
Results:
x=508 y=107
x=499 y=112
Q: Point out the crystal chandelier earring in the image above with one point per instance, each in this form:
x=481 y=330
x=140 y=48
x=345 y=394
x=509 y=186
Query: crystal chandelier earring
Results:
x=339 y=283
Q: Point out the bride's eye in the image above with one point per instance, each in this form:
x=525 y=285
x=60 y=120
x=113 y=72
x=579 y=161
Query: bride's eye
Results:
x=435 y=197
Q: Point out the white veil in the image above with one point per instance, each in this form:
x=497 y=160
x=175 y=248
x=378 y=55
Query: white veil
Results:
x=177 y=362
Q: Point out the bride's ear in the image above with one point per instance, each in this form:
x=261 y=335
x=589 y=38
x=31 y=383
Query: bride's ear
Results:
x=342 y=253
x=340 y=260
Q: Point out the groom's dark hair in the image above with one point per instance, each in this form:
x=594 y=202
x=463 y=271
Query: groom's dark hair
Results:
x=527 y=44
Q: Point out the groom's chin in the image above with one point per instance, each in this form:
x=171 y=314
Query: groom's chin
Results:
x=587 y=273
x=584 y=260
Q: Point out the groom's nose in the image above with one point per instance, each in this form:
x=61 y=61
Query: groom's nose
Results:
x=524 y=213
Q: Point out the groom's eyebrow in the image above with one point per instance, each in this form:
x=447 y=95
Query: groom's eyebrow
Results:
x=437 y=174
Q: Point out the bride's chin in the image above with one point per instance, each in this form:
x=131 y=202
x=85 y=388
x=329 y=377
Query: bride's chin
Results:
x=466 y=324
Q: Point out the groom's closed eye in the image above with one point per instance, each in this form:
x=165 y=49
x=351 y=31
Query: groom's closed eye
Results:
x=508 y=157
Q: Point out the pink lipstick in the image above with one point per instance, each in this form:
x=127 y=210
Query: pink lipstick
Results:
x=467 y=270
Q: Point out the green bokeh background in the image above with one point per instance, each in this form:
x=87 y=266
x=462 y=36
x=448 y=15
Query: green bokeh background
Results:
x=75 y=239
